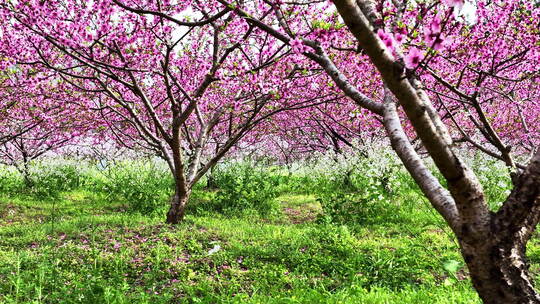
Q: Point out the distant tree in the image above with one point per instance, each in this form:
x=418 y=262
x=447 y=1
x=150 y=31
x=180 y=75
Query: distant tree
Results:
x=187 y=89
x=34 y=122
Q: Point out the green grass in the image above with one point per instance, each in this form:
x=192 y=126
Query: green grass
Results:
x=90 y=244
x=80 y=249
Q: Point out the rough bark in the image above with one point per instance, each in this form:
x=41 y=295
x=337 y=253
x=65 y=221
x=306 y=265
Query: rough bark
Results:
x=499 y=271
x=182 y=190
x=521 y=211
x=498 y=266
x=177 y=209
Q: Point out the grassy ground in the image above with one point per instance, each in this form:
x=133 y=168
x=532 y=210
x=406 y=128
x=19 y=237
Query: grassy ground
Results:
x=79 y=248
x=354 y=240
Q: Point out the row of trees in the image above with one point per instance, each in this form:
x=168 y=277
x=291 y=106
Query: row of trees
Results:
x=193 y=80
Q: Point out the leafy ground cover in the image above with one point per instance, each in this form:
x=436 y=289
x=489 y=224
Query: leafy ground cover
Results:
x=260 y=236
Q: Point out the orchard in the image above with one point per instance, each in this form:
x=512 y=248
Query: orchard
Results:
x=234 y=122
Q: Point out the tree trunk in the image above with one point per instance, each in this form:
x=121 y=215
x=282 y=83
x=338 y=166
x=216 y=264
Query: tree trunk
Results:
x=28 y=181
x=25 y=171
x=211 y=180
x=178 y=207
x=500 y=271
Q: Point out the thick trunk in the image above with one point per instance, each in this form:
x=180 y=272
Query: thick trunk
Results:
x=500 y=272
x=182 y=190
x=497 y=261
x=178 y=207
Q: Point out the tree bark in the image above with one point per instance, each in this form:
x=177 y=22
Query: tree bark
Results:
x=211 y=180
x=499 y=271
x=182 y=187
x=497 y=262
x=178 y=207
x=24 y=170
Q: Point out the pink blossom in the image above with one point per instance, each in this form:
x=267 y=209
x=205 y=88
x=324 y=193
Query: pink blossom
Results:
x=433 y=38
x=387 y=39
x=435 y=24
x=413 y=58
x=298 y=46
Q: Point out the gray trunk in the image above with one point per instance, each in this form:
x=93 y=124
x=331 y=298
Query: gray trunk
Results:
x=500 y=272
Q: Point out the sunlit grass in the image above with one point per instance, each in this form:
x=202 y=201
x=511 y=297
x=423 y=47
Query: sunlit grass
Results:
x=87 y=245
